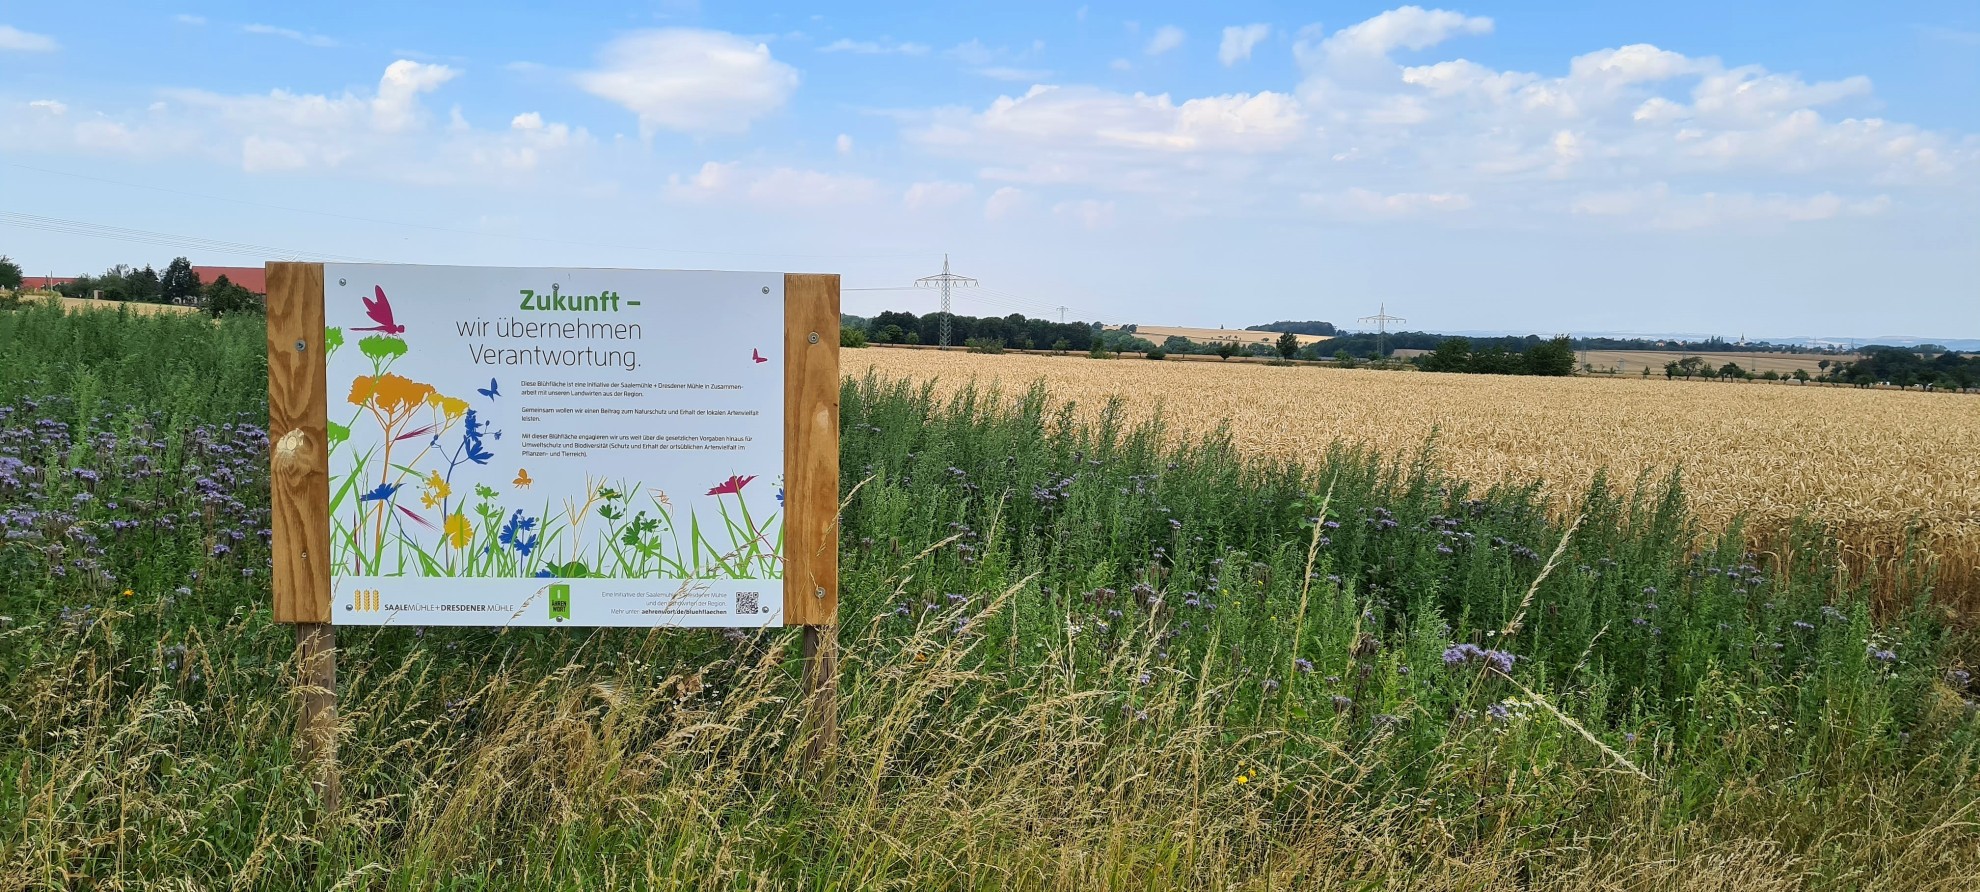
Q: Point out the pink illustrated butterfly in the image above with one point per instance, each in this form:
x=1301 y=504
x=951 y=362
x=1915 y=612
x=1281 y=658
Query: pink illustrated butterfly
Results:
x=753 y=354
x=380 y=311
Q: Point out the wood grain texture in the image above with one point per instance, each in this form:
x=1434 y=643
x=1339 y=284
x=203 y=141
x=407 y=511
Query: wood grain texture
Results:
x=316 y=719
x=299 y=461
x=811 y=449
x=821 y=685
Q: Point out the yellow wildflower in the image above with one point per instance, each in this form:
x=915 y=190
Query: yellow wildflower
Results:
x=458 y=530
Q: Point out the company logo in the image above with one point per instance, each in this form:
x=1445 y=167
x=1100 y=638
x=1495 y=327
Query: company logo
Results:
x=560 y=601
x=364 y=600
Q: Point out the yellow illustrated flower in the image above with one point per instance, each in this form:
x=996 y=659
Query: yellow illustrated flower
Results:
x=448 y=406
x=458 y=530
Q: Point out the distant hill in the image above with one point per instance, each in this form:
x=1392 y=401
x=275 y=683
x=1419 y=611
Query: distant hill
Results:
x=1309 y=327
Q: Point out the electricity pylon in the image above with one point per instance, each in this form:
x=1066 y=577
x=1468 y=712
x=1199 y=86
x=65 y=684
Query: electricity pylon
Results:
x=1381 y=320
x=946 y=281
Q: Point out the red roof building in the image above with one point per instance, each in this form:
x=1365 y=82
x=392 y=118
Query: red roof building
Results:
x=253 y=278
x=44 y=283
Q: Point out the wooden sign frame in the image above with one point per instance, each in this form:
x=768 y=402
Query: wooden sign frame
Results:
x=299 y=464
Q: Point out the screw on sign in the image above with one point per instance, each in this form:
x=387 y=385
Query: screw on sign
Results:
x=650 y=395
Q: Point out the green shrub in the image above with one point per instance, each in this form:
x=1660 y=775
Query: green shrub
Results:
x=852 y=337
x=984 y=345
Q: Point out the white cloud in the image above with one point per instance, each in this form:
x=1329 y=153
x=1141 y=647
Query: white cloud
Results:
x=290 y=34
x=1005 y=202
x=879 y=47
x=690 y=80
x=936 y=195
x=381 y=135
x=50 y=106
x=185 y=18
x=13 y=39
x=1239 y=40
x=1408 y=27
x=1121 y=65
x=1750 y=94
x=844 y=144
x=1048 y=117
x=1091 y=213
x=1633 y=64
x=1166 y=38
x=396 y=107
x=780 y=186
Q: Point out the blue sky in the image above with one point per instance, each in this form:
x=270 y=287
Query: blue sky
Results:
x=1767 y=169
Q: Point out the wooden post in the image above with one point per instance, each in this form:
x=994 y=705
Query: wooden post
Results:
x=299 y=470
x=811 y=491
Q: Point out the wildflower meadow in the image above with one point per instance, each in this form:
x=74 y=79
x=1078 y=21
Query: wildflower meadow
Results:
x=1078 y=651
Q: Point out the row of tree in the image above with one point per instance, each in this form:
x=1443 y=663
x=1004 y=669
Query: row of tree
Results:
x=179 y=284
x=1908 y=368
x=1553 y=357
x=1015 y=330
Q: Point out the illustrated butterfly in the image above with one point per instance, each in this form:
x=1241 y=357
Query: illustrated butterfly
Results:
x=492 y=391
x=522 y=478
x=380 y=311
x=753 y=354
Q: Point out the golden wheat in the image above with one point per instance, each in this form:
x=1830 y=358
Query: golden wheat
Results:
x=1882 y=467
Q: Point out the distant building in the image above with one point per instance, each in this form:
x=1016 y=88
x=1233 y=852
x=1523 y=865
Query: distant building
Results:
x=253 y=278
x=44 y=283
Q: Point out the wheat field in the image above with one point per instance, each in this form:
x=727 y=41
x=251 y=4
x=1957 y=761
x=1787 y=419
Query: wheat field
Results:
x=1881 y=467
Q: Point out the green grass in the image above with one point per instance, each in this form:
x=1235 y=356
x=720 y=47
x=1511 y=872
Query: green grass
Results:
x=1063 y=645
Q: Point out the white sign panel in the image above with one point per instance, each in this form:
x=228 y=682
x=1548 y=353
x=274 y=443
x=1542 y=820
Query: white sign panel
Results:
x=533 y=447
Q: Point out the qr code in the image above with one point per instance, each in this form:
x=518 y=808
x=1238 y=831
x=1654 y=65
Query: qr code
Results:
x=746 y=603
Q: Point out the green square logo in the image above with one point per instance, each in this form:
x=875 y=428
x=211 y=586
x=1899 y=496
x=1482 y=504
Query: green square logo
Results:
x=560 y=601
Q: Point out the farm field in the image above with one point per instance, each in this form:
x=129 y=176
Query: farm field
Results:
x=1157 y=333
x=1078 y=652
x=1881 y=467
x=1632 y=362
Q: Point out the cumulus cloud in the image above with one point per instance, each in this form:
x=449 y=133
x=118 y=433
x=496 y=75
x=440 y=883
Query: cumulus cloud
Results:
x=690 y=80
x=384 y=134
x=1166 y=38
x=49 y=106
x=13 y=39
x=1239 y=40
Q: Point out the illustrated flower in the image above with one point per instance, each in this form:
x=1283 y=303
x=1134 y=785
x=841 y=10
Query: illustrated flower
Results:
x=459 y=530
x=388 y=393
x=732 y=486
x=512 y=534
x=449 y=407
x=437 y=491
x=382 y=493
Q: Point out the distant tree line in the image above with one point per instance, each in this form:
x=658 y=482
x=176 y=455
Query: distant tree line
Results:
x=1015 y=331
x=1553 y=357
x=1908 y=368
x=179 y=284
x=1310 y=327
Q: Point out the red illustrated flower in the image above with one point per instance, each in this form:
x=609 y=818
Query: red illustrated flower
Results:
x=732 y=486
